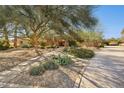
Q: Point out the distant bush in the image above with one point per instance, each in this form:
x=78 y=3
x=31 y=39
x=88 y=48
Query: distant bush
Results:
x=72 y=43
x=42 y=47
x=51 y=46
x=43 y=44
x=62 y=60
x=101 y=46
x=66 y=50
x=38 y=70
x=26 y=46
x=51 y=65
x=112 y=41
x=11 y=46
x=80 y=52
x=2 y=47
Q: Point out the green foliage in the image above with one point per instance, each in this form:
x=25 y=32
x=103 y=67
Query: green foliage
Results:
x=101 y=45
x=90 y=38
x=2 y=47
x=38 y=70
x=80 y=52
x=51 y=46
x=42 y=47
x=65 y=49
x=113 y=41
x=62 y=60
x=43 y=44
x=72 y=43
x=26 y=46
x=50 y=65
x=33 y=21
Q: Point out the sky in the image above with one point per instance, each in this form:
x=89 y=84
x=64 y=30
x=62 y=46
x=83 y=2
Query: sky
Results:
x=111 y=19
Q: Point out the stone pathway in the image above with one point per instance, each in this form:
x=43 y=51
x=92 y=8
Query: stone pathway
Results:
x=106 y=69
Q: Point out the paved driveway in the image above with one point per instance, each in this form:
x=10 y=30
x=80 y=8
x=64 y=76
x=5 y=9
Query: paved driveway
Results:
x=106 y=69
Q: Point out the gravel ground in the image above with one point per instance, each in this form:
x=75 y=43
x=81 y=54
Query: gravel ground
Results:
x=64 y=77
x=13 y=57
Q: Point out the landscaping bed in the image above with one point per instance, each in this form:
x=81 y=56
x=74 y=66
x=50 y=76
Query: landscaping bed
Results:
x=63 y=76
x=12 y=57
x=54 y=69
x=80 y=52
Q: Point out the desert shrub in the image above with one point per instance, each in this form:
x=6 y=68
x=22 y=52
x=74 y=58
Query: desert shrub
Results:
x=113 y=41
x=50 y=65
x=51 y=46
x=72 y=43
x=65 y=49
x=26 y=46
x=48 y=46
x=101 y=46
x=42 y=47
x=38 y=70
x=43 y=44
x=11 y=46
x=62 y=60
x=2 y=47
x=81 y=53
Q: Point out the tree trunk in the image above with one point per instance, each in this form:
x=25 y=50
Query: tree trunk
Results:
x=66 y=44
x=15 y=38
x=35 y=44
x=5 y=34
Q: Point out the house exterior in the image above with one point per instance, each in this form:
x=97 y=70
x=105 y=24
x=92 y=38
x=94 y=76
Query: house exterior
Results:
x=20 y=41
x=113 y=43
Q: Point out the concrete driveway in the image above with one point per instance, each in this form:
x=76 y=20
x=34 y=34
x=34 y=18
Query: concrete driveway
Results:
x=106 y=69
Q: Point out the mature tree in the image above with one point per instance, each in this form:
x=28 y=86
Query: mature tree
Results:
x=62 y=19
x=37 y=20
x=4 y=20
x=90 y=38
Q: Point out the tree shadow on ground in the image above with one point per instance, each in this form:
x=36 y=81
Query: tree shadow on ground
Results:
x=64 y=77
x=9 y=62
x=105 y=74
x=50 y=79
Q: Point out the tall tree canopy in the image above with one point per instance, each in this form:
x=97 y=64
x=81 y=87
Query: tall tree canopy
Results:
x=36 y=20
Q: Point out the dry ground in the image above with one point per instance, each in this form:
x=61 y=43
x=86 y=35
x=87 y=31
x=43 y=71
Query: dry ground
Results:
x=19 y=76
x=12 y=57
